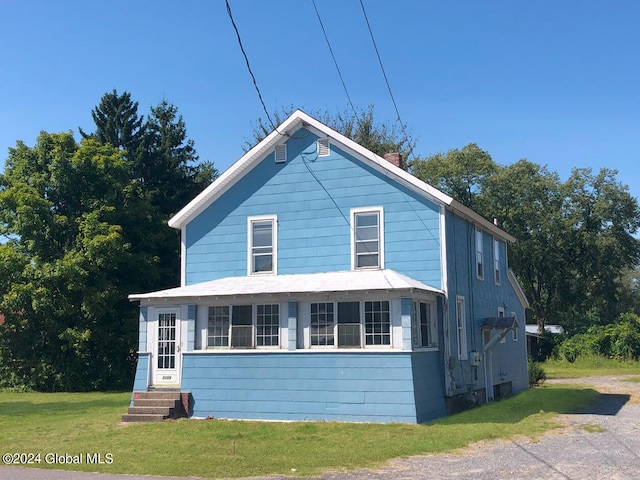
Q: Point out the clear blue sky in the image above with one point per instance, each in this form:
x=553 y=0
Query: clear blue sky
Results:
x=557 y=82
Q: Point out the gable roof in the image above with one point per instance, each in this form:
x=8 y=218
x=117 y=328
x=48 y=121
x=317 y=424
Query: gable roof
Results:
x=329 y=282
x=300 y=119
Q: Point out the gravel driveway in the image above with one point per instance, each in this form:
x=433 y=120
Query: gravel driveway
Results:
x=602 y=442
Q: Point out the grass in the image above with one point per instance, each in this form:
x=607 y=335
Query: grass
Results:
x=89 y=423
x=588 y=367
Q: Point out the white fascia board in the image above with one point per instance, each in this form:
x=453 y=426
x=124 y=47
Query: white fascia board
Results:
x=232 y=174
x=300 y=119
x=518 y=289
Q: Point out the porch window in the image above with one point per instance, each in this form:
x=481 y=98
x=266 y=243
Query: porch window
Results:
x=425 y=332
x=268 y=325
x=262 y=243
x=243 y=326
x=342 y=324
x=367 y=238
x=349 y=324
x=377 y=323
x=322 y=324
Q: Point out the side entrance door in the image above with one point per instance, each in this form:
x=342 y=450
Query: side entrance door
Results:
x=166 y=364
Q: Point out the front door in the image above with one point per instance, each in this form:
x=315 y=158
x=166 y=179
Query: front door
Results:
x=167 y=361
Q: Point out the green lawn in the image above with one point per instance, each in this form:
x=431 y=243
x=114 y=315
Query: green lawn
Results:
x=89 y=423
x=589 y=366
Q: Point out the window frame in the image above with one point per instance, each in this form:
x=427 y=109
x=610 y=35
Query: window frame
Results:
x=363 y=335
x=227 y=311
x=355 y=212
x=461 y=328
x=251 y=221
x=417 y=323
x=479 y=241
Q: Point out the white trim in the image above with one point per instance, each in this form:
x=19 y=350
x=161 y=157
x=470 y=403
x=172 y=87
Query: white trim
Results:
x=274 y=243
x=380 y=212
x=517 y=288
x=183 y=256
x=444 y=275
x=300 y=119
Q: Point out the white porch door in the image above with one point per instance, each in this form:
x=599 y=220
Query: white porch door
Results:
x=166 y=365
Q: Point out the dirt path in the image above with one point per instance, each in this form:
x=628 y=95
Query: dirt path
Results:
x=602 y=442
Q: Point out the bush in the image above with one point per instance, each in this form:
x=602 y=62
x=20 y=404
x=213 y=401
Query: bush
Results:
x=620 y=341
x=536 y=373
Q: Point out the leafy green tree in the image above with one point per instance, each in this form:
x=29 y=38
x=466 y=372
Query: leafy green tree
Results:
x=459 y=173
x=68 y=325
x=361 y=127
x=575 y=239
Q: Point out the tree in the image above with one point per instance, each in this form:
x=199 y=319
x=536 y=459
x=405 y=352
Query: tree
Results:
x=575 y=239
x=117 y=122
x=68 y=325
x=361 y=127
x=459 y=173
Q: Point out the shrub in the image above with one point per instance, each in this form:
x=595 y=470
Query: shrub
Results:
x=536 y=373
x=620 y=340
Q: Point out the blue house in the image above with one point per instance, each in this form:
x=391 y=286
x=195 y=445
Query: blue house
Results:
x=322 y=282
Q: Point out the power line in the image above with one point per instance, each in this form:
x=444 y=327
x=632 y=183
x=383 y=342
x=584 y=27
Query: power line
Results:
x=246 y=59
x=334 y=59
x=384 y=74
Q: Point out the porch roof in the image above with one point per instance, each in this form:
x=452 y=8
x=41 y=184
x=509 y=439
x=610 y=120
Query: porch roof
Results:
x=345 y=281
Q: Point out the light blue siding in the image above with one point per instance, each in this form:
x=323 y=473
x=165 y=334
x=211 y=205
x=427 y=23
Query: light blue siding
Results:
x=312 y=197
x=367 y=386
x=141 y=380
x=482 y=299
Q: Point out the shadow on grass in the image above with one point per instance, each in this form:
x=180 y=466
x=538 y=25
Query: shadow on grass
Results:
x=606 y=404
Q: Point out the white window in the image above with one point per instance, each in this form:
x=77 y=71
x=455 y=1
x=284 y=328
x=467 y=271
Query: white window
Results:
x=496 y=261
x=341 y=324
x=243 y=326
x=424 y=328
x=367 y=238
x=461 y=326
x=262 y=241
x=479 y=255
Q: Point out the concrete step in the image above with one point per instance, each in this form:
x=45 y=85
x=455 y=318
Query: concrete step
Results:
x=157 y=395
x=154 y=402
x=138 y=410
x=143 y=418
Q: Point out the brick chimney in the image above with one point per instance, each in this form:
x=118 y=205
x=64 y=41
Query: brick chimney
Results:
x=394 y=158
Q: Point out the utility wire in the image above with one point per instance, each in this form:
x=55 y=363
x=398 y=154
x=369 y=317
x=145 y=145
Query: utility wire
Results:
x=384 y=74
x=246 y=59
x=334 y=59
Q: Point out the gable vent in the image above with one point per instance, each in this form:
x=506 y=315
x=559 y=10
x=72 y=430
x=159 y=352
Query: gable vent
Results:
x=323 y=147
x=281 y=153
